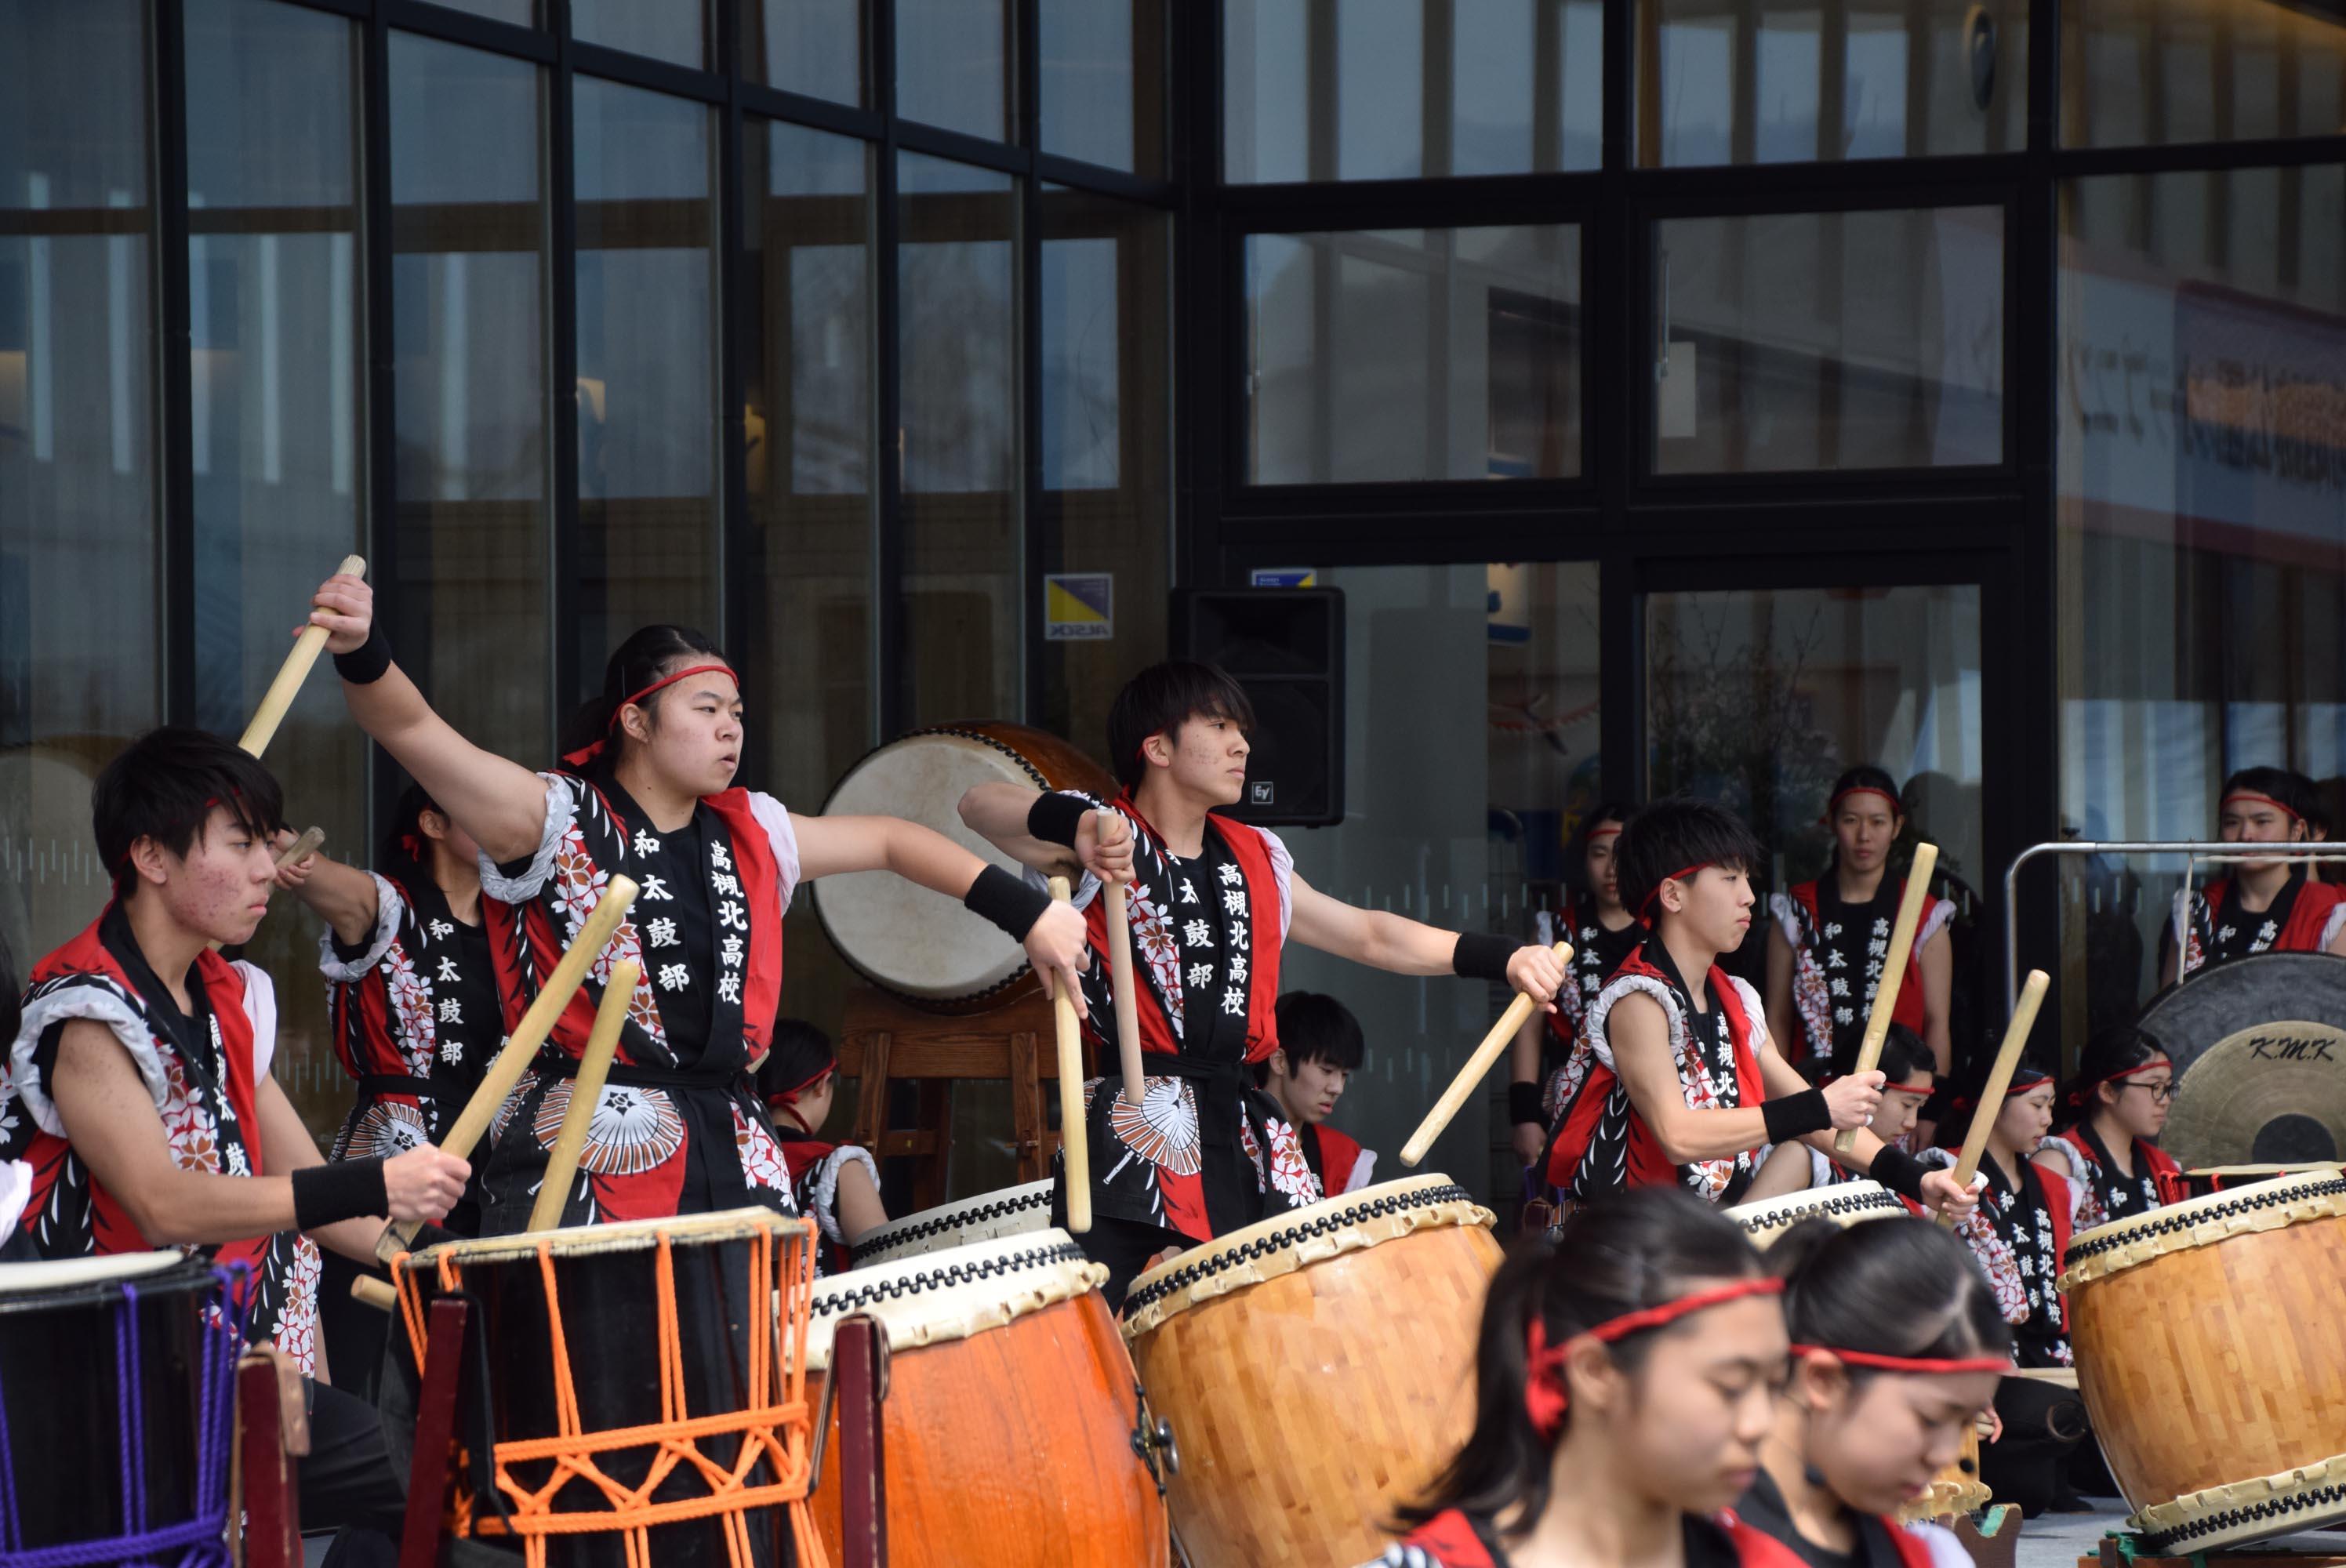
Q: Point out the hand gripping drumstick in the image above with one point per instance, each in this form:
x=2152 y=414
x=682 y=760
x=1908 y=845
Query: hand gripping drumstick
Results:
x=307 y=844
x=1999 y=1077
x=1477 y=1066
x=291 y=674
x=1893 y=973
x=535 y=1025
x=586 y=1094
x=1074 y=1136
x=1120 y=972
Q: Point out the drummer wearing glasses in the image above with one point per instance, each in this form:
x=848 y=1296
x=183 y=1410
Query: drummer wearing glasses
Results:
x=2116 y=1107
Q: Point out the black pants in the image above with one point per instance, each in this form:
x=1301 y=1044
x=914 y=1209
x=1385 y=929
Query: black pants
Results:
x=2043 y=1425
x=348 y=1481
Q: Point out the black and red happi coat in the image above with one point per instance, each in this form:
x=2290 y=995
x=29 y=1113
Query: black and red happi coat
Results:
x=1603 y=1143
x=416 y=1019
x=1597 y=954
x=2021 y=1238
x=1839 y=952
x=1204 y=1151
x=2103 y=1192
x=680 y=1129
x=204 y=1073
x=2209 y=926
x=814 y=1163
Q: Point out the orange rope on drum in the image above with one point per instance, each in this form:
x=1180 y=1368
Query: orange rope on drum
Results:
x=776 y=1432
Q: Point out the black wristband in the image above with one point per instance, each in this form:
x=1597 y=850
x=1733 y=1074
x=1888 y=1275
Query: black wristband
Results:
x=367 y=663
x=1006 y=901
x=1479 y=955
x=344 y=1190
x=1055 y=816
x=1899 y=1171
x=1523 y=1105
x=1790 y=1116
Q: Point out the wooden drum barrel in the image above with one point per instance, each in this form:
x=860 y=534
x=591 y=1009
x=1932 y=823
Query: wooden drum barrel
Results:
x=1317 y=1367
x=2210 y=1362
x=1844 y=1203
x=1014 y=1428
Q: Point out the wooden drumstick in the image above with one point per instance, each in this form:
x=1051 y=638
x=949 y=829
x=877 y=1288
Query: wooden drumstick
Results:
x=1502 y=1034
x=586 y=1094
x=1119 y=974
x=302 y=847
x=369 y=1291
x=1999 y=1077
x=506 y=1071
x=1893 y=973
x=279 y=697
x=1075 y=1135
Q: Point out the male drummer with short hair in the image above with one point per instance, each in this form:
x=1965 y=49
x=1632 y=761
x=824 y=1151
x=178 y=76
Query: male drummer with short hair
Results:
x=1212 y=901
x=1321 y=1046
x=138 y=1088
x=1672 y=1082
x=2259 y=906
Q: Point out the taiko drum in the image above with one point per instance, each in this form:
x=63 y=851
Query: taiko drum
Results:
x=1317 y=1367
x=2211 y=1358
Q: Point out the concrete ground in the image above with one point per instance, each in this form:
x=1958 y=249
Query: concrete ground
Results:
x=2059 y=1540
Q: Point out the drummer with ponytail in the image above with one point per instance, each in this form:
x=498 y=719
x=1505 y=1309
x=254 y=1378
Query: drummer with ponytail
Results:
x=1625 y=1377
x=646 y=790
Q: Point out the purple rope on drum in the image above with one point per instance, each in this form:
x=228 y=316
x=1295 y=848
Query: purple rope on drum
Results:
x=199 y=1541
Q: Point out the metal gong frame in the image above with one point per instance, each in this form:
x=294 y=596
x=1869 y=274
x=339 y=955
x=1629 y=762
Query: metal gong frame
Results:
x=2217 y=852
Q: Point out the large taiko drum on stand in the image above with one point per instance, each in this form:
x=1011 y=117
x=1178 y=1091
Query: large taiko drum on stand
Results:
x=1844 y=1203
x=1013 y=1211
x=1016 y=1433
x=2260 y=1051
x=901 y=937
x=1318 y=1367
x=2210 y=1359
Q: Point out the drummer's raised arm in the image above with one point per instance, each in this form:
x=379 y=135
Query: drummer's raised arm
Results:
x=499 y=802
x=1002 y=815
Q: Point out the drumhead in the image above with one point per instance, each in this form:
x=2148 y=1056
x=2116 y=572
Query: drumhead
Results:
x=898 y=935
x=935 y=1297
x=1013 y=1211
x=623 y=1236
x=2203 y=1221
x=36 y=1284
x=1286 y=1242
x=1844 y=1203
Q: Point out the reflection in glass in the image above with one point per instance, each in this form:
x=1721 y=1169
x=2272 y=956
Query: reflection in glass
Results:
x=1106 y=435
x=278 y=417
x=1872 y=79
x=1759 y=699
x=520 y=13
x=819 y=48
x=958 y=350
x=672 y=30
x=2137 y=72
x=646 y=367
x=952 y=64
x=2201 y=515
x=1414 y=353
x=1103 y=82
x=803 y=331
x=469 y=391
x=1399 y=89
x=1829 y=341
x=76 y=448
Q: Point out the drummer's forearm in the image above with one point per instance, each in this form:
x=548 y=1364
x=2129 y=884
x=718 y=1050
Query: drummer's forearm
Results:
x=829 y=845
x=353 y=1238
x=997 y=813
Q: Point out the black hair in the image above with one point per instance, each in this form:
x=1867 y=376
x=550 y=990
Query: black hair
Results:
x=1676 y=832
x=1159 y=700
x=1866 y=776
x=164 y=785
x=2293 y=789
x=634 y=665
x=1904 y=1054
x=1621 y=1254
x=799 y=1054
x=1887 y=1288
x=1315 y=1028
x=2111 y=1052
x=1955 y=1125
x=406 y=852
x=1575 y=852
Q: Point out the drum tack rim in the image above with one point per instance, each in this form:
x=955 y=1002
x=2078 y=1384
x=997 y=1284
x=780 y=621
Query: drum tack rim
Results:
x=1271 y=1248
x=2250 y=1510
x=2125 y=1244
x=1850 y=1203
x=929 y=1300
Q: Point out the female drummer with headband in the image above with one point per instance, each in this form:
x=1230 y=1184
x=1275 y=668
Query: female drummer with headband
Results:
x=1897 y=1345
x=1624 y=1378
x=647 y=790
x=2258 y=906
x=1829 y=936
x=1603 y=932
x=2115 y=1106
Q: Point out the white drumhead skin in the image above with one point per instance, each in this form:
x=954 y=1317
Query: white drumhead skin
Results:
x=67 y=1272
x=1013 y=1211
x=1844 y=1203
x=901 y=934
x=933 y=1298
x=620 y=1236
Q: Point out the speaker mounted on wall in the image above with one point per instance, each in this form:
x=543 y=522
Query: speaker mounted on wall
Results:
x=1286 y=648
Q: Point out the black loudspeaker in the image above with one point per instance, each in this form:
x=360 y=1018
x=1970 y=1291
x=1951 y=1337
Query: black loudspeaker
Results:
x=1286 y=648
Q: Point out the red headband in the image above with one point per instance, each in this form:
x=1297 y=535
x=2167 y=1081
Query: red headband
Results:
x=585 y=754
x=1897 y=806
x=1544 y=1391
x=2024 y=1078
x=1604 y=829
x=1907 y=1363
x=2084 y=1091
x=1646 y=909
x=2282 y=806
